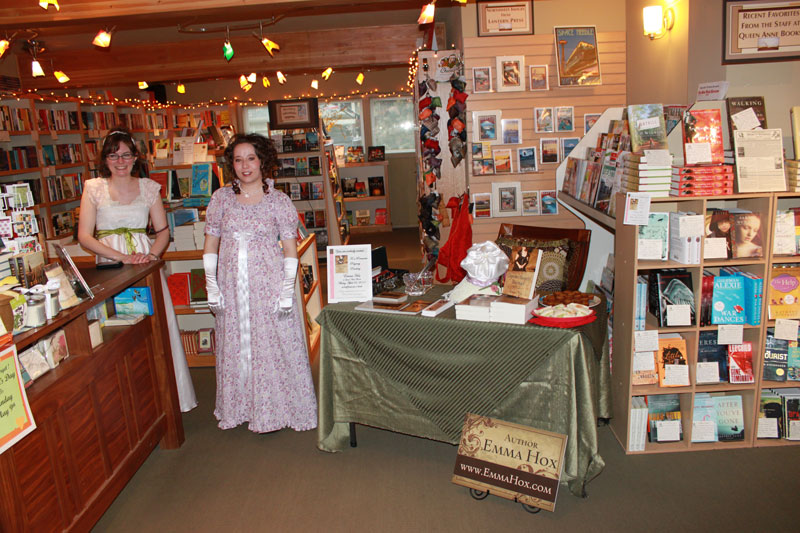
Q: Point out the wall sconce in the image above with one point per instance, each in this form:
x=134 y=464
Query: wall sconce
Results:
x=657 y=21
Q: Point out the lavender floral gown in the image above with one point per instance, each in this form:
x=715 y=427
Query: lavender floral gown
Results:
x=263 y=374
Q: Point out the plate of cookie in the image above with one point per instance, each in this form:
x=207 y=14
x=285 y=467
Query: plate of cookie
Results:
x=563 y=315
x=568 y=297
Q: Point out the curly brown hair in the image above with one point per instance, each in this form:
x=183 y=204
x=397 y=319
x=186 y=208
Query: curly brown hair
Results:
x=111 y=144
x=265 y=151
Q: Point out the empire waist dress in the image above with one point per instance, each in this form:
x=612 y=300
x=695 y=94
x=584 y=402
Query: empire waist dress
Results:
x=263 y=373
x=122 y=227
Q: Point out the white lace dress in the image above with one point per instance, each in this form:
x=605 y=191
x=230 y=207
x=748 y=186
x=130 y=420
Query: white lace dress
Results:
x=112 y=215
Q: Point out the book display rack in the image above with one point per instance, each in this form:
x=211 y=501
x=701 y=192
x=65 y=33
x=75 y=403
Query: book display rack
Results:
x=627 y=396
x=366 y=188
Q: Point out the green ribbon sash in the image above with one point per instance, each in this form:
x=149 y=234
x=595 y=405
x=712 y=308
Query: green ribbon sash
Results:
x=127 y=233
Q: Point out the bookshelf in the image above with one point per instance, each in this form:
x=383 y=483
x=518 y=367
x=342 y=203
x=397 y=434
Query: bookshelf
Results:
x=628 y=267
x=362 y=172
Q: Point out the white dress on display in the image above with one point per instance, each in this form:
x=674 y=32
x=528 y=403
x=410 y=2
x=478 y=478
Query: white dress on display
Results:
x=128 y=223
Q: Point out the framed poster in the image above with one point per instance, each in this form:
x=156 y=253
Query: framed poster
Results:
x=588 y=121
x=567 y=145
x=510 y=70
x=530 y=202
x=483 y=205
x=549 y=149
x=486 y=125
x=527 y=160
x=502 y=160
x=512 y=130
x=760 y=30
x=505 y=18
x=565 y=118
x=538 y=78
x=481 y=79
x=506 y=199
x=543 y=120
x=288 y=114
x=577 y=61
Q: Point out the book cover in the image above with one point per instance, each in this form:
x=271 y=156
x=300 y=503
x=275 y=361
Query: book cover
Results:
x=361 y=189
x=134 y=301
x=201 y=179
x=670 y=287
x=197 y=285
x=776 y=358
x=520 y=280
x=654 y=237
x=376 y=186
x=727 y=301
x=783 y=293
x=644 y=369
x=162 y=178
x=704 y=412
x=702 y=137
x=672 y=351
x=349 y=187
x=709 y=351
x=770 y=407
x=740 y=363
x=793 y=370
x=738 y=104
x=647 y=127
x=718 y=226
x=730 y=417
x=178 y=286
x=661 y=407
x=747 y=239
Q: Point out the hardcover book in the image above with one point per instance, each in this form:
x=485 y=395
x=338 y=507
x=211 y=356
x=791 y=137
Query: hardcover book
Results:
x=662 y=407
x=521 y=276
x=671 y=354
x=134 y=301
x=709 y=351
x=201 y=179
x=376 y=186
x=704 y=411
x=727 y=303
x=783 y=293
x=747 y=239
x=740 y=362
x=178 y=286
x=654 y=237
x=670 y=287
x=770 y=407
x=702 y=137
x=776 y=358
x=647 y=126
x=197 y=285
x=793 y=371
x=730 y=417
x=739 y=104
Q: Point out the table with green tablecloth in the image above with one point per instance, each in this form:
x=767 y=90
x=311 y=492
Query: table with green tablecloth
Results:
x=420 y=375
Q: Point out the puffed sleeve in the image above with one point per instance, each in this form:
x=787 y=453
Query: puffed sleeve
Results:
x=151 y=191
x=215 y=212
x=286 y=216
x=93 y=189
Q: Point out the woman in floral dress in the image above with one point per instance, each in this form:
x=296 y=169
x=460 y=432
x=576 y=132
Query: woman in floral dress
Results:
x=250 y=260
x=112 y=224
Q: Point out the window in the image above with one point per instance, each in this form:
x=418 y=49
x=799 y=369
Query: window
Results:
x=256 y=120
x=343 y=121
x=393 y=124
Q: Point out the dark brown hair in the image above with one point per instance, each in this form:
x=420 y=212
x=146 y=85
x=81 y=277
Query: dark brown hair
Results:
x=265 y=151
x=111 y=144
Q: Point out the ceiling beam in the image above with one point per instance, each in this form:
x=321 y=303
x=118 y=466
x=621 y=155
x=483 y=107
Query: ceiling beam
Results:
x=201 y=59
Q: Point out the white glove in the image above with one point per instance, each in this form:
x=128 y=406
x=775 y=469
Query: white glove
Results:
x=214 y=296
x=286 y=298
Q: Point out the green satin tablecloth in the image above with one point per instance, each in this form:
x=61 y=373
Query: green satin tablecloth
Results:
x=419 y=375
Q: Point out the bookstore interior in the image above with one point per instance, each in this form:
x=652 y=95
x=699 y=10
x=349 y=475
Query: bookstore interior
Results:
x=554 y=213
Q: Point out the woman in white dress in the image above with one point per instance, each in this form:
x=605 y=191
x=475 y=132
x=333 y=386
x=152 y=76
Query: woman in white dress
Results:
x=114 y=213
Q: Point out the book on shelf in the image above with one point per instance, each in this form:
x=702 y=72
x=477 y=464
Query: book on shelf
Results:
x=305 y=190
x=770 y=416
x=718 y=226
x=647 y=127
x=672 y=361
x=776 y=358
x=637 y=433
x=730 y=417
x=702 y=137
x=747 y=235
x=727 y=300
x=197 y=286
x=644 y=369
x=684 y=246
x=740 y=363
x=349 y=187
x=641 y=302
x=381 y=216
x=790 y=403
x=748 y=111
x=654 y=237
x=362 y=217
x=361 y=189
x=783 y=293
x=671 y=287
x=712 y=359
x=664 y=418
x=793 y=363
x=178 y=286
x=376 y=187
x=704 y=418
x=134 y=301
x=753 y=293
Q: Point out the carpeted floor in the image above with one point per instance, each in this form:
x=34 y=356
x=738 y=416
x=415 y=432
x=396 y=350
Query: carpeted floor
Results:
x=236 y=480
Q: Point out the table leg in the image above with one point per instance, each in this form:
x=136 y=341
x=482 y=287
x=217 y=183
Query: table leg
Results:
x=353 y=442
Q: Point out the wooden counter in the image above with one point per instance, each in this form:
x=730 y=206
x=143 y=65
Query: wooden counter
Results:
x=98 y=414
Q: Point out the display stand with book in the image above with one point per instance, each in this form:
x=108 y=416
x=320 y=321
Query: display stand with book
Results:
x=366 y=189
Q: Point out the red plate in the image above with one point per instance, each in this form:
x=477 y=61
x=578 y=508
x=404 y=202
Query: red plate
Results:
x=563 y=322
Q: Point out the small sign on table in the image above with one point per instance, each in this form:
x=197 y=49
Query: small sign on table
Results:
x=510 y=460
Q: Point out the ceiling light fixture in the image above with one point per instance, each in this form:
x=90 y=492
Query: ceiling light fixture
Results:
x=252 y=77
x=181 y=88
x=44 y=4
x=327 y=73
x=269 y=46
x=314 y=84
x=143 y=85
x=227 y=47
x=281 y=77
x=36 y=69
x=61 y=76
x=103 y=38
x=360 y=78
x=426 y=15
x=265 y=81
x=5 y=44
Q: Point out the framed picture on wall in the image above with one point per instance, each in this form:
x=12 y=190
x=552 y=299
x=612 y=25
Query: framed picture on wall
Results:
x=486 y=125
x=588 y=121
x=482 y=204
x=510 y=72
x=543 y=120
x=577 y=60
x=530 y=202
x=482 y=79
x=506 y=199
x=565 y=118
x=527 y=160
x=511 y=130
x=549 y=150
x=759 y=30
x=502 y=160
x=538 y=78
x=289 y=114
x=567 y=145
x=505 y=18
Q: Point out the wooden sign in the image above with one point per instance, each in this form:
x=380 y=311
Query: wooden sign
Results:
x=511 y=461
x=16 y=419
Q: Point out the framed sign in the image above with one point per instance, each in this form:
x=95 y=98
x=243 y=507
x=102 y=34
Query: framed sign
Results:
x=512 y=461
x=760 y=30
x=505 y=18
x=577 y=60
x=288 y=114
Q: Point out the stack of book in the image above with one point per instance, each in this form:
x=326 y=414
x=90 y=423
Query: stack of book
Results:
x=638 y=429
x=476 y=307
x=709 y=180
x=732 y=297
x=512 y=310
x=640 y=176
x=183 y=238
x=792 y=169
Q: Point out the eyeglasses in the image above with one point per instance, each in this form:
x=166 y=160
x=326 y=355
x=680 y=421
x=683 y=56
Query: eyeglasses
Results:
x=125 y=157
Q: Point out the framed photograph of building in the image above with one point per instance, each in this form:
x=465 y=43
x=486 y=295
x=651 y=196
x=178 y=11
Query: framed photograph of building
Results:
x=505 y=18
x=510 y=72
x=577 y=60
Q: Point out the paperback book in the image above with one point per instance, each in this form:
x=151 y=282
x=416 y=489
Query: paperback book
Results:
x=776 y=358
x=740 y=362
x=730 y=417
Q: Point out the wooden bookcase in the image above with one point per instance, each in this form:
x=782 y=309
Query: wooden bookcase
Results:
x=98 y=414
x=311 y=302
x=627 y=268
x=362 y=172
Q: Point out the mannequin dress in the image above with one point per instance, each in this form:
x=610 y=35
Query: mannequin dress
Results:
x=112 y=216
x=263 y=373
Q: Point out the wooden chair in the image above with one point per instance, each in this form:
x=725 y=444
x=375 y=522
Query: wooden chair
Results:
x=580 y=237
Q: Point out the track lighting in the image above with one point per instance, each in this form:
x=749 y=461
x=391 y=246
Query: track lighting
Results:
x=61 y=76
x=5 y=44
x=36 y=69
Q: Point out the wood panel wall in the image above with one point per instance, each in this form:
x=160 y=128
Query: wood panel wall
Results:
x=538 y=50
